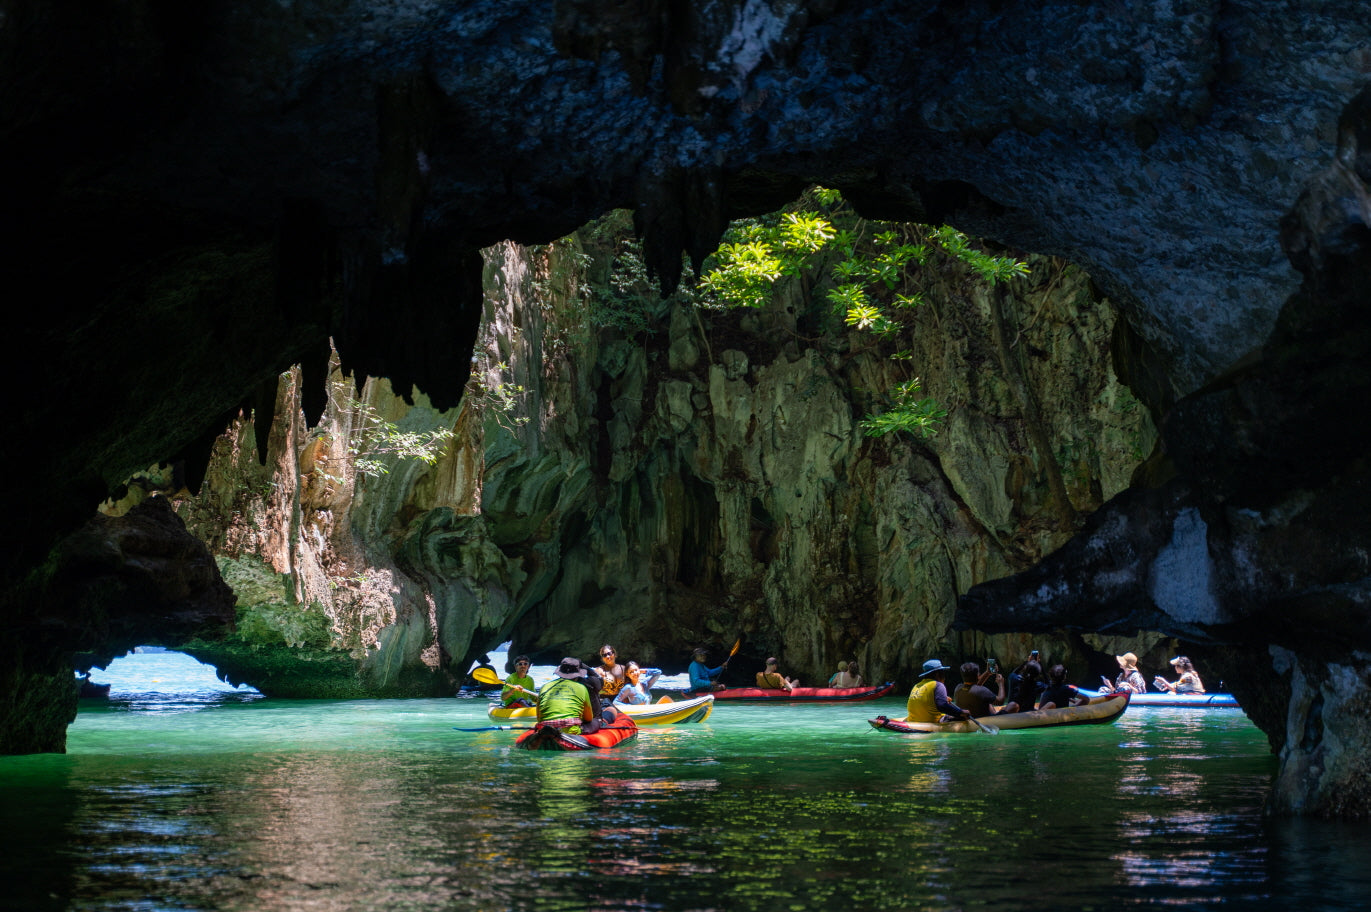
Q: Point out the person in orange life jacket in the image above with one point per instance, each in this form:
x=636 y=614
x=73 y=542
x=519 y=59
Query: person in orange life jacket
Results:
x=571 y=700
x=928 y=700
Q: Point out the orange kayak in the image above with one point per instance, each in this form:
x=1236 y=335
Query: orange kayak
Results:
x=614 y=734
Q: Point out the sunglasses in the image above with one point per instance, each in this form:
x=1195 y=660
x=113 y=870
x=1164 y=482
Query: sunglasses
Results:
x=605 y=655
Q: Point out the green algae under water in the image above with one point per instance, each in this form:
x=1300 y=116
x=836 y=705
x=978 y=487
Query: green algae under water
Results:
x=223 y=801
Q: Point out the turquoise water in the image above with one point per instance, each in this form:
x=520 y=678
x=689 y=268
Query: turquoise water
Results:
x=219 y=800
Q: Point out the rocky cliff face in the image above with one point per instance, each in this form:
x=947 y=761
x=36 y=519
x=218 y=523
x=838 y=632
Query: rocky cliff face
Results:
x=664 y=488
x=199 y=196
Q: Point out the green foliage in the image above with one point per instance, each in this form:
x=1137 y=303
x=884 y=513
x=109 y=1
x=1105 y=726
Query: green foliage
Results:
x=500 y=400
x=627 y=297
x=862 y=263
x=919 y=416
x=375 y=439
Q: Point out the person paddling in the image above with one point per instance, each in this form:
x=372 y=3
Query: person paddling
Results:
x=702 y=677
x=928 y=700
x=519 y=689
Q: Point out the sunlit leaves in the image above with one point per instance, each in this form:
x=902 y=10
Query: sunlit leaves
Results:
x=377 y=442
x=863 y=269
x=992 y=269
x=918 y=415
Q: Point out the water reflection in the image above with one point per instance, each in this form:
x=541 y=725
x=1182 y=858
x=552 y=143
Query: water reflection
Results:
x=330 y=806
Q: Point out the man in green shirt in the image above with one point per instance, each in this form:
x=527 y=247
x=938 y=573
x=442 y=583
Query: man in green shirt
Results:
x=564 y=702
x=519 y=689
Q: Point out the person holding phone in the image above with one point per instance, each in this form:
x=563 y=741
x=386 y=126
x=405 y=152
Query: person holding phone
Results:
x=973 y=695
x=1027 y=682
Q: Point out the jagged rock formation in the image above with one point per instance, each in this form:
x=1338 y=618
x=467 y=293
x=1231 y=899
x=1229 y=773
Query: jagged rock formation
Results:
x=1265 y=527
x=200 y=196
x=695 y=484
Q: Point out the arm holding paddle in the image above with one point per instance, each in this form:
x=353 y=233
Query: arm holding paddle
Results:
x=488 y=676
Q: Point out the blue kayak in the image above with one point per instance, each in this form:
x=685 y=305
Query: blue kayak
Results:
x=1197 y=701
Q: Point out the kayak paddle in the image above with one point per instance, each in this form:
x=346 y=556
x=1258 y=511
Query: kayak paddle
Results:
x=987 y=729
x=495 y=728
x=487 y=676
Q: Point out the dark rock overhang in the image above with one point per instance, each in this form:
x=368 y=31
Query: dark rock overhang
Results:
x=198 y=198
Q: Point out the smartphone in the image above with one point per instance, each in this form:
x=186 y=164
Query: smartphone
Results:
x=992 y=665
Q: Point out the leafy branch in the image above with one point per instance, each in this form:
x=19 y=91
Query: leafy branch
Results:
x=867 y=281
x=378 y=441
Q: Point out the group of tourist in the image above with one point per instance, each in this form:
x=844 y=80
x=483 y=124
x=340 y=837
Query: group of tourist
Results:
x=595 y=691
x=582 y=698
x=1031 y=686
x=1131 y=679
x=704 y=679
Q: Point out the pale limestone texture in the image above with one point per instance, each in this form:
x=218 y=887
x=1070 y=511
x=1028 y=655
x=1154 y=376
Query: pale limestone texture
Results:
x=702 y=485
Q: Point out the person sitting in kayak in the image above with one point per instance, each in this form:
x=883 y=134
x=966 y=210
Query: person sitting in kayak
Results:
x=702 y=677
x=566 y=703
x=519 y=689
x=1188 y=683
x=973 y=695
x=611 y=673
x=1059 y=694
x=772 y=679
x=635 y=691
x=1026 y=684
x=1129 y=679
x=847 y=676
x=928 y=700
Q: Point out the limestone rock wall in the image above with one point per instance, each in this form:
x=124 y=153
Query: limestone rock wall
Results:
x=700 y=484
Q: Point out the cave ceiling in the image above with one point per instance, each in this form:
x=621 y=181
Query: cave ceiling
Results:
x=201 y=195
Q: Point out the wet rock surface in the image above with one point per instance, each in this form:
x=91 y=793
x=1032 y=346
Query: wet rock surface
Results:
x=198 y=198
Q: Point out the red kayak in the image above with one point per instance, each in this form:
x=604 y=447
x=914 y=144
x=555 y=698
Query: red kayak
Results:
x=614 y=734
x=801 y=694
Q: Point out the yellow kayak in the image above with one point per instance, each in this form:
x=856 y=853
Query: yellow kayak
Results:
x=679 y=712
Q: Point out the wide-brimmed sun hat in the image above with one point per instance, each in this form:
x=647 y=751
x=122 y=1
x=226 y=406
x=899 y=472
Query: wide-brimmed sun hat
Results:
x=571 y=667
x=1127 y=660
x=1178 y=660
x=933 y=665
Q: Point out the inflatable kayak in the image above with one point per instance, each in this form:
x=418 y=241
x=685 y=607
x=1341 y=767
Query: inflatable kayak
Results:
x=803 y=694
x=1199 y=701
x=544 y=737
x=1100 y=711
x=675 y=713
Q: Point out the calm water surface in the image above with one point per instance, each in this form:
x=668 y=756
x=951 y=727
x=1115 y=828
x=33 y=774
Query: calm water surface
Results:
x=221 y=800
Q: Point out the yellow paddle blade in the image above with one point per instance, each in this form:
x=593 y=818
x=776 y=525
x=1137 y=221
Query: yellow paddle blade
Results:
x=736 y=643
x=486 y=675
x=665 y=699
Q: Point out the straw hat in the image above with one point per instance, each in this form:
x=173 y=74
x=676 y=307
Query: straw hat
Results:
x=1127 y=660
